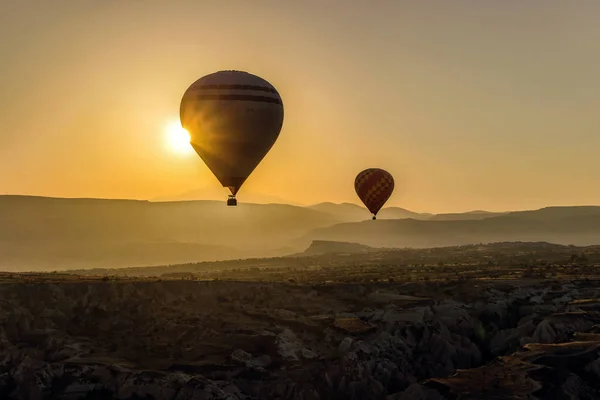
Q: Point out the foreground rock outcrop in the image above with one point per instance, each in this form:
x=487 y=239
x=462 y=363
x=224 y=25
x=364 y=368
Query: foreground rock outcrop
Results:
x=249 y=340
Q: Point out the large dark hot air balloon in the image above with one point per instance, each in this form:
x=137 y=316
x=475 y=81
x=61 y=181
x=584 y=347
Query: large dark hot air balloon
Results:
x=374 y=186
x=233 y=119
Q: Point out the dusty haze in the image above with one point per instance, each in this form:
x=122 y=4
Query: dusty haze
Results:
x=39 y=233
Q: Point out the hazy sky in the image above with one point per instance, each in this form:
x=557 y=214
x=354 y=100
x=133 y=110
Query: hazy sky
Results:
x=481 y=104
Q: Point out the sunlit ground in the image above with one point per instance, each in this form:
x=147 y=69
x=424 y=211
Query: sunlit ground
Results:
x=178 y=139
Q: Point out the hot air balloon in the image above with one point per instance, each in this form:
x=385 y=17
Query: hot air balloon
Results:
x=233 y=118
x=374 y=186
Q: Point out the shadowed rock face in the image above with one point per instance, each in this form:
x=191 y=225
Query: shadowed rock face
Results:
x=564 y=370
x=319 y=247
x=250 y=340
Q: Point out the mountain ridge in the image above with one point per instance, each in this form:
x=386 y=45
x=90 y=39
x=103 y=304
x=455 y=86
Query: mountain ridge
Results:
x=563 y=225
x=38 y=232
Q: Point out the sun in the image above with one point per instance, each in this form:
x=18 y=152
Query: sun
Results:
x=178 y=139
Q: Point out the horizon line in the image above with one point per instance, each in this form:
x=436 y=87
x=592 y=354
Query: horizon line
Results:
x=288 y=204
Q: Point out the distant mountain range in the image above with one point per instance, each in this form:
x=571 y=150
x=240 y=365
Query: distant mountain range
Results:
x=349 y=212
x=219 y=193
x=561 y=225
x=53 y=233
x=465 y=216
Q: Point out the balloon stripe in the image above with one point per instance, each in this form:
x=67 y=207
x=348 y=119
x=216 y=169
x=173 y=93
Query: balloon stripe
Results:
x=239 y=97
x=236 y=87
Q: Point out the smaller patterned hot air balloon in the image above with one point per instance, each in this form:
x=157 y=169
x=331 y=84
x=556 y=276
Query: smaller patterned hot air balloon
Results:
x=374 y=186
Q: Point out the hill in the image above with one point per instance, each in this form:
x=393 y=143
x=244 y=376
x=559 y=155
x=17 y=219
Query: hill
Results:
x=219 y=194
x=466 y=216
x=401 y=213
x=51 y=233
x=320 y=247
x=349 y=212
x=40 y=233
x=321 y=257
x=563 y=225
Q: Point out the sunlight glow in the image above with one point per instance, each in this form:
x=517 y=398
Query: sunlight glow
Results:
x=178 y=139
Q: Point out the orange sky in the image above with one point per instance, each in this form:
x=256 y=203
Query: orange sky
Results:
x=470 y=105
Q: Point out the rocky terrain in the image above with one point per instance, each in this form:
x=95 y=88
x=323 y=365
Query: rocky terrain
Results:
x=335 y=337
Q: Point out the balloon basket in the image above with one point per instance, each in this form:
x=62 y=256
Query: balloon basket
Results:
x=232 y=201
x=374 y=218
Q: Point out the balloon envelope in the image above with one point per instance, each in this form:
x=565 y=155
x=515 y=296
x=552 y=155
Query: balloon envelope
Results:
x=233 y=119
x=374 y=186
